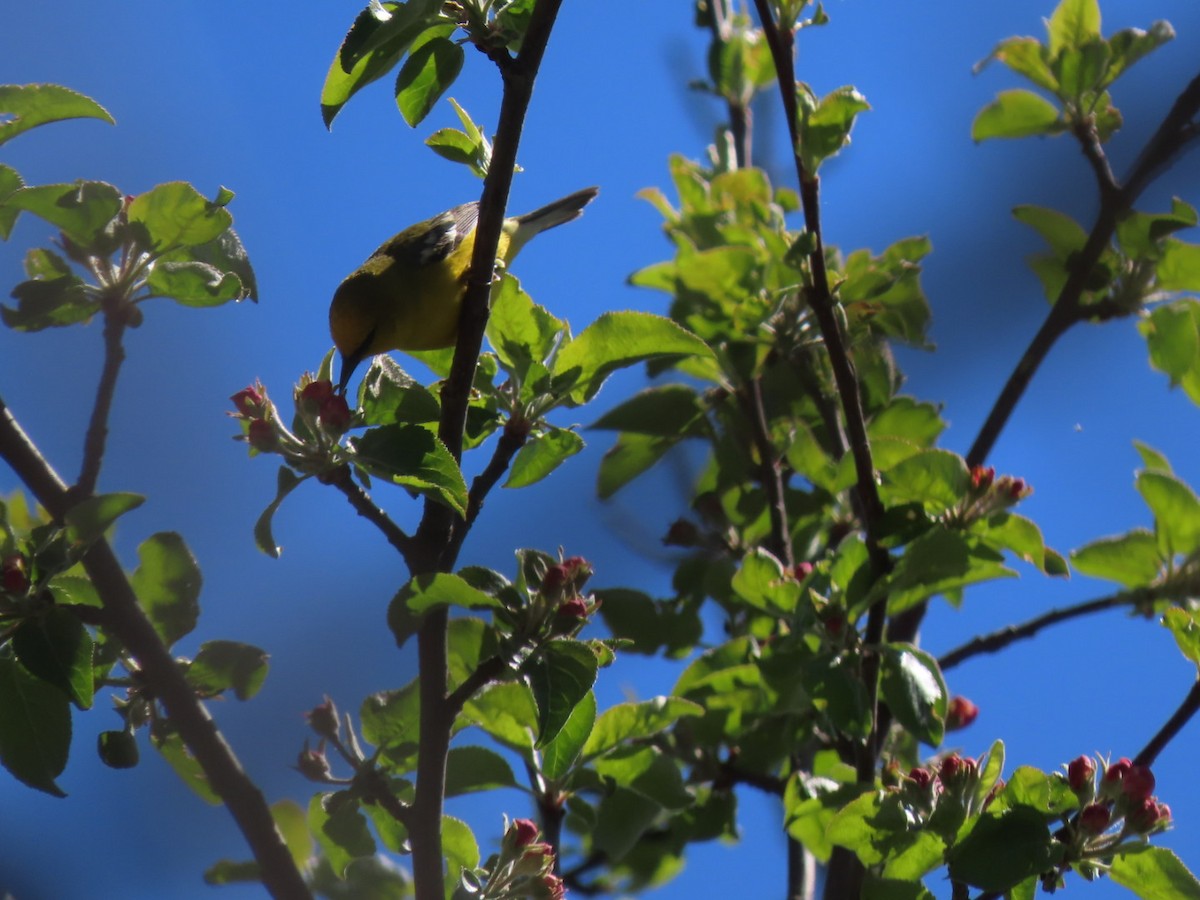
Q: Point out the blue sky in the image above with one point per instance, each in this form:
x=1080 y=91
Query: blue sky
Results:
x=227 y=94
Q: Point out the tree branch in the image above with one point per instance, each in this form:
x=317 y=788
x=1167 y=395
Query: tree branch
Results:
x=97 y=432
x=361 y=501
x=128 y=623
x=998 y=640
x=1187 y=709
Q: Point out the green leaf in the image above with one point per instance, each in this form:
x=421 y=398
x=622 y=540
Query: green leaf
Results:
x=560 y=754
x=391 y=719
x=631 y=721
x=470 y=769
x=192 y=283
x=221 y=665
x=10 y=181
x=542 y=455
x=50 y=303
x=937 y=478
x=628 y=458
x=617 y=340
x=1016 y=114
x=1064 y=235
x=1026 y=56
x=413 y=457
x=340 y=829
x=88 y=520
x=520 y=331
x=1154 y=873
x=1185 y=626
x=877 y=888
x=1176 y=512
x=1131 y=559
x=175 y=215
x=82 y=210
x=56 y=647
x=1151 y=458
x=35 y=727
x=285 y=482
x=1073 y=24
x=167 y=584
x=292 y=824
x=376 y=42
x=424 y=592
x=459 y=846
x=915 y=691
x=561 y=675
x=1131 y=44
x=1002 y=851
x=228 y=871
x=26 y=106
x=762 y=583
x=649 y=772
x=429 y=70
x=180 y=759
x=825 y=124
x=941 y=561
x=506 y=711
x=623 y=817
x=118 y=749
x=667 y=411
x=1172 y=334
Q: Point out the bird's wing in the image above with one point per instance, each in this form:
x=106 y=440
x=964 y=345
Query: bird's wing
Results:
x=433 y=240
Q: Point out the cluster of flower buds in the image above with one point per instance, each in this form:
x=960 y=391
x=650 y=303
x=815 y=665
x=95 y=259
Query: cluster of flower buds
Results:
x=1124 y=796
x=943 y=791
x=1117 y=810
x=524 y=868
x=561 y=592
x=322 y=417
x=988 y=494
x=313 y=764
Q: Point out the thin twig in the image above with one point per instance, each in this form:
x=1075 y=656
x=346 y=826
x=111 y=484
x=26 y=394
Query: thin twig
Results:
x=770 y=472
x=97 y=432
x=128 y=623
x=998 y=640
x=1187 y=709
x=365 y=507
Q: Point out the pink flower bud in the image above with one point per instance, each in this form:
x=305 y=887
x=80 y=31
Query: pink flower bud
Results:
x=956 y=768
x=249 y=402
x=524 y=831
x=555 y=579
x=1081 y=773
x=316 y=392
x=802 y=570
x=323 y=719
x=262 y=436
x=1145 y=815
x=575 y=608
x=14 y=574
x=923 y=777
x=981 y=478
x=312 y=764
x=1110 y=784
x=960 y=713
x=1138 y=783
x=334 y=412
x=1095 y=818
x=554 y=887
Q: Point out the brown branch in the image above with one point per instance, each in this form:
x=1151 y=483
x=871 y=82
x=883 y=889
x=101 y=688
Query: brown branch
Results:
x=1187 y=709
x=365 y=507
x=97 y=432
x=770 y=472
x=998 y=640
x=436 y=531
x=128 y=623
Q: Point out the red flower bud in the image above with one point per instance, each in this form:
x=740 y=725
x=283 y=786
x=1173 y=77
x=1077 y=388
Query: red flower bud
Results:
x=554 y=579
x=334 y=412
x=575 y=608
x=554 y=887
x=923 y=777
x=802 y=570
x=1110 y=784
x=1145 y=814
x=1081 y=773
x=960 y=713
x=1095 y=818
x=1138 y=783
x=14 y=574
x=249 y=402
x=312 y=764
x=316 y=392
x=524 y=831
x=262 y=436
x=834 y=622
x=323 y=719
x=955 y=768
x=981 y=478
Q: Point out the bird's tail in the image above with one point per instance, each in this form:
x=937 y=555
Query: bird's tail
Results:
x=556 y=213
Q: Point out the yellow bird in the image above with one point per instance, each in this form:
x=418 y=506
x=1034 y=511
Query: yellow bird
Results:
x=408 y=294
